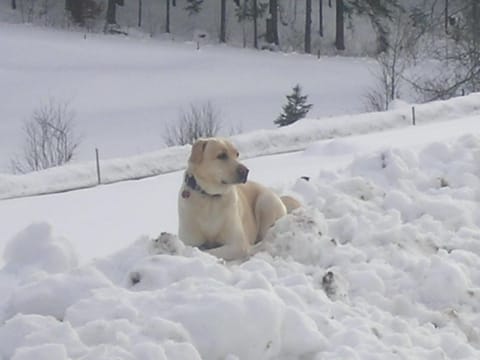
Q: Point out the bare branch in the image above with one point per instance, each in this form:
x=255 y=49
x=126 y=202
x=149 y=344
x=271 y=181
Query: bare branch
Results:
x=50 y=138
x=198 y=121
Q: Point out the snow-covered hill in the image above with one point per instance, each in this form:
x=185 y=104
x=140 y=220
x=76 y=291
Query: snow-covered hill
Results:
x=124 y=90
x=382 y=262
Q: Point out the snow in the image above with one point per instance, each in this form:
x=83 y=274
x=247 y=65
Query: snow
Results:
x=297 y=136
x=381 y=262
x=124 y=90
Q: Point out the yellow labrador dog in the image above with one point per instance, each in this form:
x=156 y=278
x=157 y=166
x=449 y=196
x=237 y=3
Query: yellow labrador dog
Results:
x=219 y=210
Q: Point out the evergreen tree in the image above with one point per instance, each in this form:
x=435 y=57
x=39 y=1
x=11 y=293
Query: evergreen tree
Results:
x=295 y=109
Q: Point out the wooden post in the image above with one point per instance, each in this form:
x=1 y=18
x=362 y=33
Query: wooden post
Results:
x=98 y=167
x=413 y=116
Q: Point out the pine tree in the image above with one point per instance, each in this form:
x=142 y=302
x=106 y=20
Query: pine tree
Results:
x=295 y=109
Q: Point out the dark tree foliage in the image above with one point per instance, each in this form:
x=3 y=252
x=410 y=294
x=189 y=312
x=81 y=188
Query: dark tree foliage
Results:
x=249 y=10
x=193 y=6
x=83 y=10
x=379 y=12
x=295 y=109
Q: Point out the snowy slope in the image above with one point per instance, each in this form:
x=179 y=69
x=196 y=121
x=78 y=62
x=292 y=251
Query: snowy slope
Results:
x=381 y=263
x=257 y=143
x=124 y=90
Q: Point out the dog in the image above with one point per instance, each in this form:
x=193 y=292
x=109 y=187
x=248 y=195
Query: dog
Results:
x=219 y=210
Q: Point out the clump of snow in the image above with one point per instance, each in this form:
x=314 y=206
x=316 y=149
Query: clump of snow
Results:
x=398 y=104
x=37 y=248
x=53 y=294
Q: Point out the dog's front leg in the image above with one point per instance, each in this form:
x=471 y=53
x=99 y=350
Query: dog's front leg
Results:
x=237 y=248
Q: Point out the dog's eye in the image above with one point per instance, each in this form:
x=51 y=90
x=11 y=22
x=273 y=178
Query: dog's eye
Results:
x=238 y=154
x=222 y=156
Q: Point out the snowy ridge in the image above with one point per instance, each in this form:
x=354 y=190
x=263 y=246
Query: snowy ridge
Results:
x=258 y=143
x=383 y=262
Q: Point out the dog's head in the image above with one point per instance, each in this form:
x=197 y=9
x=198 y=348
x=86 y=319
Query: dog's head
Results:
x=214 y=164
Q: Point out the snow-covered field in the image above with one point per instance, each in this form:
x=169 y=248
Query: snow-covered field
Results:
x=123 y=90
x=382 y=262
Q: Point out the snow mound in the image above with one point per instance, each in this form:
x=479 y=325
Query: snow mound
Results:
x=382 y=262
x=37 y=248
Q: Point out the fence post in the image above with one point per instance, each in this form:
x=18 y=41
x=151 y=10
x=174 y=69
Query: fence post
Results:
x=413 y=116
x=98 y=167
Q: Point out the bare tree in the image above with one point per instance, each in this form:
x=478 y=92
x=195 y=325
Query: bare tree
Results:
x=50 y=138
x=393 y=62
x=458 y=71
x=198 y=121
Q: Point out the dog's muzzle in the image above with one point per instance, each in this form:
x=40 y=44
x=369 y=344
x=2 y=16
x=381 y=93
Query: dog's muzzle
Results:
x=242 y=173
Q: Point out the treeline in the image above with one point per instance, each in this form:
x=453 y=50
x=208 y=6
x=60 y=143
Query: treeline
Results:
x=434 y=54
x=398 y=32
x=302 y=25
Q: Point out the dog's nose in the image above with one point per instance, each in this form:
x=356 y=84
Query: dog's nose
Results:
x=242 y=172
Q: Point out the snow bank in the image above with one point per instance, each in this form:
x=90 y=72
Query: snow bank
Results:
x=382 y=262
x=37 y=248
x=262 y=142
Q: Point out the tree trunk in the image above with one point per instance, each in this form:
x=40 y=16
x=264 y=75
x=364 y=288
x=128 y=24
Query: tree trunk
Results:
x=340 y=36
x=320 y=17
x=223 y=21
x=14 y=4
x=446 y=16
x=111 y=12
x=475 y=31
x=255 y=24
x=167 y=15
x=74 y=7
x=139 y=13
x=272 y=23
x=244 y=30
x=308 y=26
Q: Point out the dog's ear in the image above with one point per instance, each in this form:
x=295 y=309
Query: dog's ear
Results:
x=198 y=149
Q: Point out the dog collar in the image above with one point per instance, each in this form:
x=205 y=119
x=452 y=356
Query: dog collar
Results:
x=191 y=182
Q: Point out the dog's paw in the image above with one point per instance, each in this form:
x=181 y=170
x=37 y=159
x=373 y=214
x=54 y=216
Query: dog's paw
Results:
x=166 y=243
